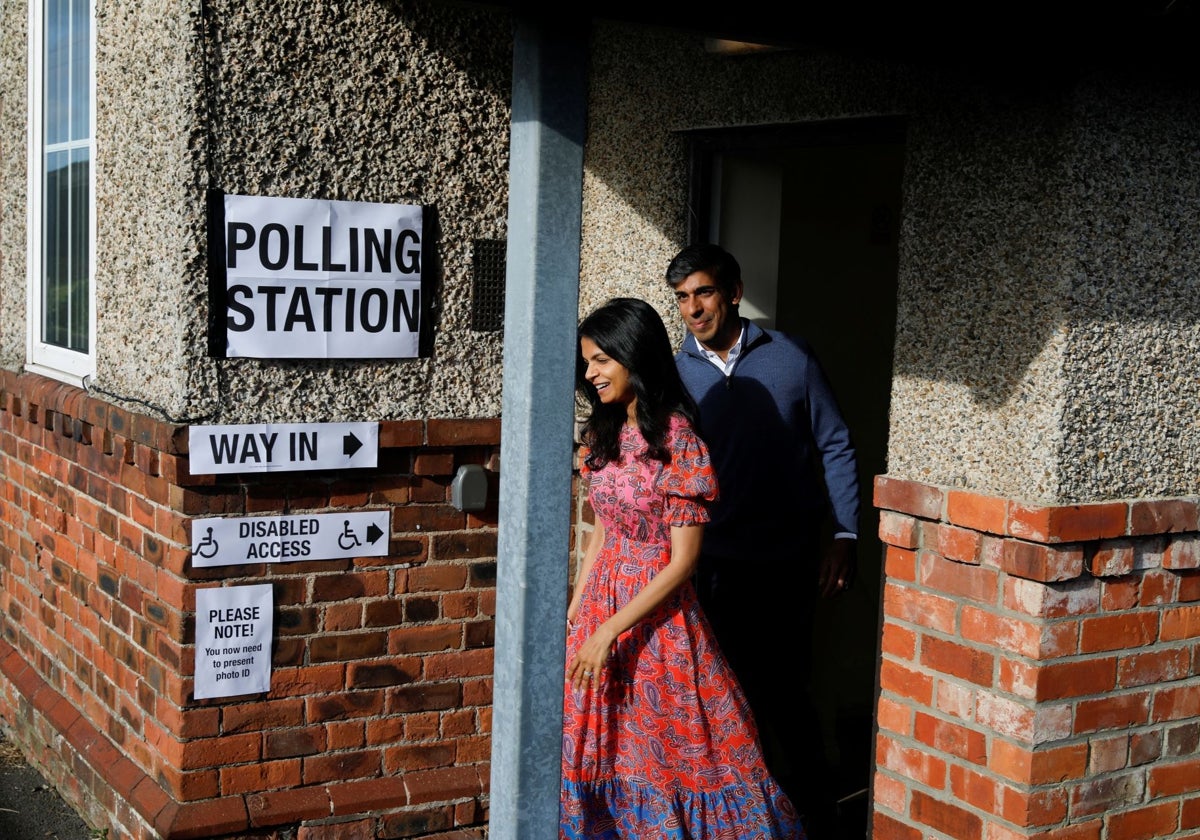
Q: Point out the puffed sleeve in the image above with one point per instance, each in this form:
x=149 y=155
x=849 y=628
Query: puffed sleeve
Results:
x=688 y=480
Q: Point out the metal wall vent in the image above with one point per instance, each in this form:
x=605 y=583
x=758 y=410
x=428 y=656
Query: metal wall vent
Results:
x=488 y=258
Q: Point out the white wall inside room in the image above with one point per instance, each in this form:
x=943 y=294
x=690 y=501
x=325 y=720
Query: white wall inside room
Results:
x=748 y=209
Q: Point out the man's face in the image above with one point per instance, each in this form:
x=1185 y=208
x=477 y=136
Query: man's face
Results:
x=707 y=312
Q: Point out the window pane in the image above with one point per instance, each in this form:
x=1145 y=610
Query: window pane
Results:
x=56 y=257
x=81 y=71
x=64 y=284
x=57 y=72
x=77 y=331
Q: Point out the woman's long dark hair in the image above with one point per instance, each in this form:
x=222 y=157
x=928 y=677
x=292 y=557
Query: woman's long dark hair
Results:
x=631 y=332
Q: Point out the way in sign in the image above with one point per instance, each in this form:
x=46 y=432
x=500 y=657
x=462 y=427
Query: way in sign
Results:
x=282 y=446
x=259 y=447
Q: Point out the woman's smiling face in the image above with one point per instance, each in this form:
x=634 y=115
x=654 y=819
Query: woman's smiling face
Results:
x=609 y=377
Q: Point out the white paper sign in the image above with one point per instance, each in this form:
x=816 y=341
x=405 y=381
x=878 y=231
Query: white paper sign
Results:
x=273 y=447
x=313 y=279
x=234 y=627
x=225 y=541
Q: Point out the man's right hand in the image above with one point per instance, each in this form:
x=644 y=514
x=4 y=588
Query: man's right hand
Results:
x=839 y=564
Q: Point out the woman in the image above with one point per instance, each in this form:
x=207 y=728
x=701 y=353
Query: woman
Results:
x=658 y=741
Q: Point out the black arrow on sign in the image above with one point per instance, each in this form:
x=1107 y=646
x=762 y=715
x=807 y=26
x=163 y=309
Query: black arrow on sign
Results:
x=373 y=533
x=350 y=444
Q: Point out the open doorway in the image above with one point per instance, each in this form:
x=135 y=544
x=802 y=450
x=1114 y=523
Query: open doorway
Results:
x=812 y=213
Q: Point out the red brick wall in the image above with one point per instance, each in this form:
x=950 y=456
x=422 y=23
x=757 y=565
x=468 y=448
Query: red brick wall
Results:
x=1040 y=670
x=378 y=720
x=1040 y=665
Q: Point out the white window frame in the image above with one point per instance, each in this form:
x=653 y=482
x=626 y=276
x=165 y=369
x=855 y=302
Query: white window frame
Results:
x=41 y=357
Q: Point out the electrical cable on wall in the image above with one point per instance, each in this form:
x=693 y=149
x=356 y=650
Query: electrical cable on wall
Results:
x=91 y=388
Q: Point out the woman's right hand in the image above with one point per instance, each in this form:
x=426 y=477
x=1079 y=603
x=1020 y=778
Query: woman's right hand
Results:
x=584 y=670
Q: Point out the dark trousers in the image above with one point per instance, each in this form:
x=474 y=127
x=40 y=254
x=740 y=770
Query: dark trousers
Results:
x=761 y=610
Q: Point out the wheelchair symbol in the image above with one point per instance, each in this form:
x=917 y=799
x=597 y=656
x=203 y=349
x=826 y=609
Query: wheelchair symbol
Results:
x=348 y=539
x=208 y=547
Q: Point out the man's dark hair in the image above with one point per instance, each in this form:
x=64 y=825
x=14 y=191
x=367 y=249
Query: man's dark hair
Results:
x=706 y=257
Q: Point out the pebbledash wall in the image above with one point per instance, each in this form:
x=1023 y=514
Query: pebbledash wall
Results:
x=1039 y=662
x=378 y=721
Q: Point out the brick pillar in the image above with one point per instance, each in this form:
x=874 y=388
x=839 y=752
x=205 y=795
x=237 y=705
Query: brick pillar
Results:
x=1040 y=668
x=378 y=720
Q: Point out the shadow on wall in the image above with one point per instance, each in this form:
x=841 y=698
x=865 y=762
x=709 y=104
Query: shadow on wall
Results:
x=1032 y=201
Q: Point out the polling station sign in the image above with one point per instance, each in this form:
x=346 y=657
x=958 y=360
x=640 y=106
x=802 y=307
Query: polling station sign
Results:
x=230 y=541
x=234 y=625
x=301 y=278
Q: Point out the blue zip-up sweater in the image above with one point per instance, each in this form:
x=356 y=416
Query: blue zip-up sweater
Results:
x=773 y=428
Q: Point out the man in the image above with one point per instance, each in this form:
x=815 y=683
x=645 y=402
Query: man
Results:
x=785 y=465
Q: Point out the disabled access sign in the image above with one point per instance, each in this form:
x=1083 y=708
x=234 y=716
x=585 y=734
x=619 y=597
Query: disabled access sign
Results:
x=226 y=541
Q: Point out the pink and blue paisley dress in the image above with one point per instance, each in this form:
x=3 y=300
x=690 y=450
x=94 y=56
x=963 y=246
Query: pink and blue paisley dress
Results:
x=662 y=746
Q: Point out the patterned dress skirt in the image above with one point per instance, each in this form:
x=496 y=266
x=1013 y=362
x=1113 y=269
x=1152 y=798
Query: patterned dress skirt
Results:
x=662 y=745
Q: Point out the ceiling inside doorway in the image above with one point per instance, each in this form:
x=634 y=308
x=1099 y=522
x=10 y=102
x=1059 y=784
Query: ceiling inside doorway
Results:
x=1021 y=31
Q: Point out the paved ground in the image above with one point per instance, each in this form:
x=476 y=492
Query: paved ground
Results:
x=29 y=808
x=32 y=810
